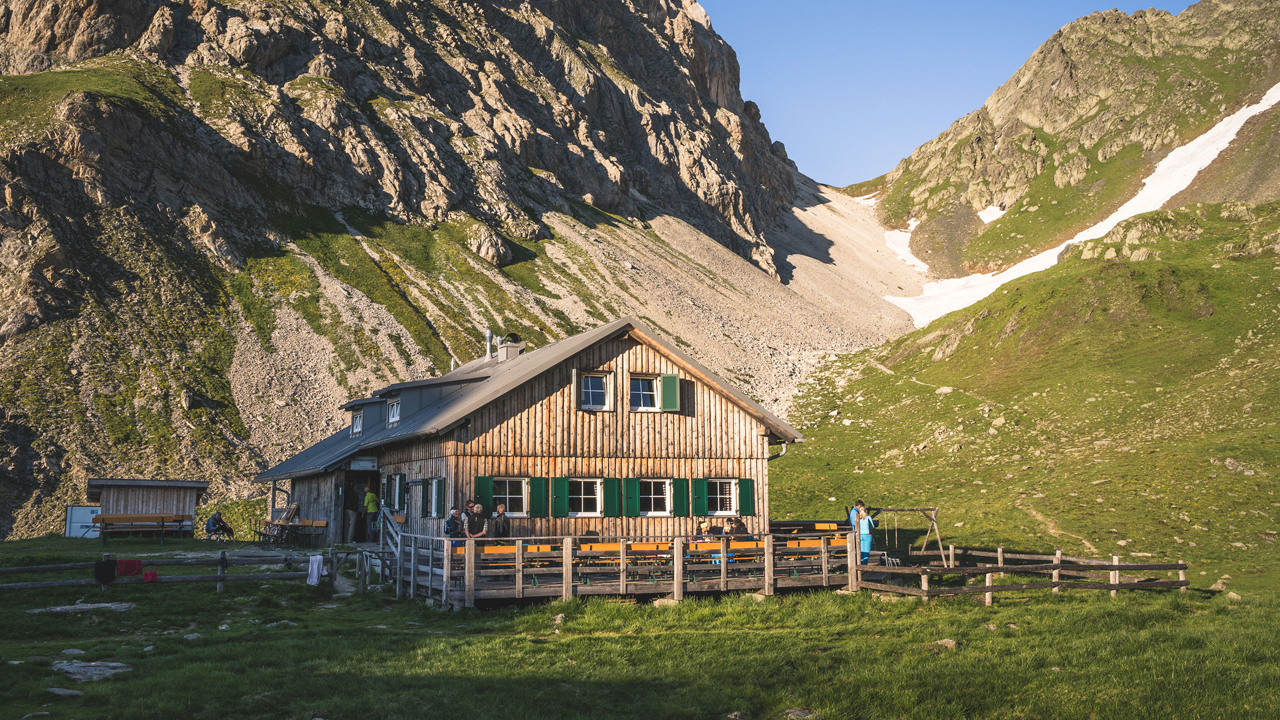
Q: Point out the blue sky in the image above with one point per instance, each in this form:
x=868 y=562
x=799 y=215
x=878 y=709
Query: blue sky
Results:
x=853 y=86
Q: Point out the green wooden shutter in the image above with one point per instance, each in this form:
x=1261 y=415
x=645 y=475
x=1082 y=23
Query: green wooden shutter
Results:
x=438 y=487
x=680 y=497
x=576 y=379
x=484 y=492
x=402 y=492
x=537 y=497
x=560 y=497
x=746 y=497
x=612 y=503
x=424 y=497
x=631 y=497
x=669 y=390
x=700 y=496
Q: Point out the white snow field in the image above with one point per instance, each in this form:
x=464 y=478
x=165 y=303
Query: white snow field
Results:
x=991 y=214
x=899 y=241
x=1170 y=177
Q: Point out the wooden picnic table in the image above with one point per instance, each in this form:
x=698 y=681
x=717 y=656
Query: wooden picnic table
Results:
x=140 y=522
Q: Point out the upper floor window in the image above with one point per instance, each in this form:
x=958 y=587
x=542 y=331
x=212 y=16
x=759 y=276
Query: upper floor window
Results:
x=584 y=498
x=655 y=497
x=644 y=393
x=357 y=423
x=594 y=394
x=721 y=498
x=393 y=413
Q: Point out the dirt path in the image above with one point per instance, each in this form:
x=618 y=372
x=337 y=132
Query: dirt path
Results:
x=1052 y=525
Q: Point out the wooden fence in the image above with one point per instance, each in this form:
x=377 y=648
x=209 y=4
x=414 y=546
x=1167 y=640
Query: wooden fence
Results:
x=222 y=561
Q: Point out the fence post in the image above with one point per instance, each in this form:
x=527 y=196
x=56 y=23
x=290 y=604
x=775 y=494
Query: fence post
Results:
x=1115 y=574
x=413 y=568
x=222 y=568
x=850 y=543
x=677 y=574
x=519 y=569
x=989 y=593
x=768 y=564
x=360 y=572
x=1057 y=571
x=952 y=553
x=446 y=562
x=105 y=557
x=924 y=584
x=622 y=566
x=855 y=560
x=566 y=571
x=826 y=554
x=1182 y=576
x=469 y=571
x=724 y=564
x=1000 y=557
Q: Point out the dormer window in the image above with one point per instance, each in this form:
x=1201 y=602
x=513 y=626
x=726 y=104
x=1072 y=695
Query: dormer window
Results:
x=357 y=423
x=393 y=413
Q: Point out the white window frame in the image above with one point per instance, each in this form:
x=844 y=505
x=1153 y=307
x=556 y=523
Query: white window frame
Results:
x=431 y=486
x=393 y=412
x=357 y=423
x=524 y=489
x=657 y=404
x=733 y=498
x=599 y=511
x=582 y=381
x=666 y=490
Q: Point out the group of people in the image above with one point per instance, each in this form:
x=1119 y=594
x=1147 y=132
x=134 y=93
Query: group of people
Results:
x=733 y=528
x=473 y=523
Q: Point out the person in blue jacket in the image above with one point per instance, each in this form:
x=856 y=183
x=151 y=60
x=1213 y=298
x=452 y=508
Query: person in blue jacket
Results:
x=863 y=523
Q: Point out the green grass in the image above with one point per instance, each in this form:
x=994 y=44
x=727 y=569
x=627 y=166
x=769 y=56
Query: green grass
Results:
x=1081 y=655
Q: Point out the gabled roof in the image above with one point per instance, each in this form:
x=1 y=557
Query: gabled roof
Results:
x=482 y=381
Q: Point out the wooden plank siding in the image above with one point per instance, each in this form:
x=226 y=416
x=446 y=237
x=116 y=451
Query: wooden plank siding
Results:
x=143 y=499
x=534 y=431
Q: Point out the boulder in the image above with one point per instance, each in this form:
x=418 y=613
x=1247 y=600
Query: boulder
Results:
x=89 y=672
x=489 y=245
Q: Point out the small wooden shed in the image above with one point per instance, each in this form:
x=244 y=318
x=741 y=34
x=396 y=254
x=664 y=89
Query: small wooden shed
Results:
x=612 y=432
x=128 y=496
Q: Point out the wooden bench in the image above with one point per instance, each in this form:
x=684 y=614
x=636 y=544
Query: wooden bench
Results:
x=142 y=522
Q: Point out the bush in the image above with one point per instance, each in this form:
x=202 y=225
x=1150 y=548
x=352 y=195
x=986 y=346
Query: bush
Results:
x=242 y=515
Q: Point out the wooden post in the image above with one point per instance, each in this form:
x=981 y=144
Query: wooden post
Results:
x=989 y=593
x=855 y=560
x=850 y=542
x=447 y=577
x=677 y=574
x=359 y=572
x=413 y=568
x=1000 y=558
x=1182 y=575
x=826 y=553
x=469 y=574
x=724 y=564
x=768 y=564
x=1057 y=572
x=222 y=568
x=566 y=571
x=106 y=557
x=1115 y=574
x=519 y=568
x=924 y=584
x=952 y=549
x=622 y=566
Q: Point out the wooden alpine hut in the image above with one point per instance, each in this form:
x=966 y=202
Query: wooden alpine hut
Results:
x=612 y=432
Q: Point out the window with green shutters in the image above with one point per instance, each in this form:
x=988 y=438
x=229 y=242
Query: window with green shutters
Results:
x=680 y=497
x=612 y=502
x=721 y=497
x=483 y=493
x=402 y=492
x=538 y=497
x=669 y=391
x=746 y=497
x=699 y=497
x=560 y=497
x=437 y=495
x=424 y=497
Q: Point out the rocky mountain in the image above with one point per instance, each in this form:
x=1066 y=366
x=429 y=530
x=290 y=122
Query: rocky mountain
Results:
x=1069 y=137
x=222 y=220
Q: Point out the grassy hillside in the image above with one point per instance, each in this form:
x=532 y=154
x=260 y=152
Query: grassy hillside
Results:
x=1112 y=404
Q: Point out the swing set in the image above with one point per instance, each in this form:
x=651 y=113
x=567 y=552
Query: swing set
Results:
x=930 y=514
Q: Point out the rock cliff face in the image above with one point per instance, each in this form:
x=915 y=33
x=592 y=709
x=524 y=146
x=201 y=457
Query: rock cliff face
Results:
x=220 y=220
x=1072 y=133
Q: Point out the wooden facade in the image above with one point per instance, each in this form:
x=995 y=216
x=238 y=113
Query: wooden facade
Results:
x=136 y=497
x=537 y=430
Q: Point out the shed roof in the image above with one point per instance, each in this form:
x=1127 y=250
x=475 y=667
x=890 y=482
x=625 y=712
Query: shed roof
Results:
x=96 y=485
x=482 y=381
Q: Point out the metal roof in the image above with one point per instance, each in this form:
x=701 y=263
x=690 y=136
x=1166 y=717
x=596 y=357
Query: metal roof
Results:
x=490 y=380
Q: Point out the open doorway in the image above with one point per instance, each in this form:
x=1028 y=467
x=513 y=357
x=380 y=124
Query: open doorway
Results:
x=354 y=521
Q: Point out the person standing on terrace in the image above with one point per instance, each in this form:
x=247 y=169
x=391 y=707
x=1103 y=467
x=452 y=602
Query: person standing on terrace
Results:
x=863 y=523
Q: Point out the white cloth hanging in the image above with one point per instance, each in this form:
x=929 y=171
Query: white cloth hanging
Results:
x=316 y=569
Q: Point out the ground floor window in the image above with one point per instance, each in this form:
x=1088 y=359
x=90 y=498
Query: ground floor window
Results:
x=513 y=493
x=584 y=497
x=655 y=497
x=721 y=498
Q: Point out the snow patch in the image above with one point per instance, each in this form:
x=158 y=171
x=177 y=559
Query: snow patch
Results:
x=899 y=241
x=991 y=214
x=868 y=200
x=1170 y=177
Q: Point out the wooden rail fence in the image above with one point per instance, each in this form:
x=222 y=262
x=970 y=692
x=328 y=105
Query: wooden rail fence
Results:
x=222 y=562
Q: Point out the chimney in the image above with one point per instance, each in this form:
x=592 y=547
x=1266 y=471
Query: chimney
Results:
x=488 y=343
x=510 y=347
